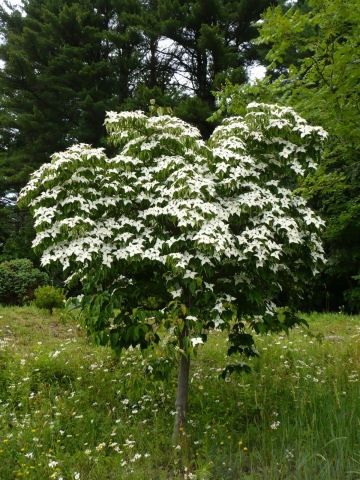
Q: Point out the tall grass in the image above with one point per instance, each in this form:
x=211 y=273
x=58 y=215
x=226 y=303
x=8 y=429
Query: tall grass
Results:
x=70 y=410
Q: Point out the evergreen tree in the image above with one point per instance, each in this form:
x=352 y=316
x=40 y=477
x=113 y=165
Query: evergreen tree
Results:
x=214 y=40
x=65 y=62
x=157 y=68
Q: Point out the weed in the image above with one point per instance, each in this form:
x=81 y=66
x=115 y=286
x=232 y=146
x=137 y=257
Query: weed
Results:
x=71 y=410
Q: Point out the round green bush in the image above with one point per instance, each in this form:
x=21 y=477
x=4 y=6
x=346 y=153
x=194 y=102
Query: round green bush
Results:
x=49 y=297
x=18 y=281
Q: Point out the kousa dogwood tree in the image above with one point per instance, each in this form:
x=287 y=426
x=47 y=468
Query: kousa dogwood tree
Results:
x=178 y=236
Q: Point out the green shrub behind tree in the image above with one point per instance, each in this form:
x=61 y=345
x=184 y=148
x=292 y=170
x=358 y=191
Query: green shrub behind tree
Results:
x=18 y=281
x=49 y=297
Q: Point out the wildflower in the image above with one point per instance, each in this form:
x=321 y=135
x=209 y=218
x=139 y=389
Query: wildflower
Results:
x=100 y=446
x=289 y=454
x=137 y=456
x=275 y=425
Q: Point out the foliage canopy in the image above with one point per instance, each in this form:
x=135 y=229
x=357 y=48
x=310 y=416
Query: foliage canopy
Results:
x=177 y=228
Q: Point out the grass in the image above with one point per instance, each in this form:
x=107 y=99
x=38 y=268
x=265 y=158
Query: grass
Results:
x=71 y=410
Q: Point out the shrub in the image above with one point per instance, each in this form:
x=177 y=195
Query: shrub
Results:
x=18 y=281
x=49 y=297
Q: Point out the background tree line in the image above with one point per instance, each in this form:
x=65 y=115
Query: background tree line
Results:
x=67 y=62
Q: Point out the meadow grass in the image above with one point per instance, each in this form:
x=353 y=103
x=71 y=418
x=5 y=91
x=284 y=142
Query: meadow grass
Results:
x=72 y=410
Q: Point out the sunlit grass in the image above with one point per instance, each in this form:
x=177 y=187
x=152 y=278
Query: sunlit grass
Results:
x=70 y=410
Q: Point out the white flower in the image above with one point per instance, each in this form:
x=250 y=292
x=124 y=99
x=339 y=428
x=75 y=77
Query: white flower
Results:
x=196 y=341
x=176 y=293
x=136 y=457
x=275 y=424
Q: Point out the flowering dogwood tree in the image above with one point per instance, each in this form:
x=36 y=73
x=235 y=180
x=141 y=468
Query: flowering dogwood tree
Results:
x=175 y=234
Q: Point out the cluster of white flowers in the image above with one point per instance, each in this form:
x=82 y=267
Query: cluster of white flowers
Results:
x=203 y=213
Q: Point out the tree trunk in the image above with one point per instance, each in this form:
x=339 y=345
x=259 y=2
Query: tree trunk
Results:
x=153 y=64
x=182 y=387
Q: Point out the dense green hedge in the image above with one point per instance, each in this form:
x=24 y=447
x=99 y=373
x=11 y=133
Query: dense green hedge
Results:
x=18 y=281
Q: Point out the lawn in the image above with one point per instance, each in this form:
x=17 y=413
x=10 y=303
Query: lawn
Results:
x=71 y=410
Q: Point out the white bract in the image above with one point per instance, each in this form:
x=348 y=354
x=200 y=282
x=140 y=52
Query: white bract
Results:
x=211 y=229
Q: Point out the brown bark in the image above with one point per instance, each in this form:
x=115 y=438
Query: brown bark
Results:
x=182 y=387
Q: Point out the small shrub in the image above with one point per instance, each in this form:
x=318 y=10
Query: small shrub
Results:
x=18 y=281
x=49 y=297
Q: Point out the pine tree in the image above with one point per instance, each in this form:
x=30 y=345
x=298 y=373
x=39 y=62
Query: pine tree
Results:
x=65 y=63
x=214 y=39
